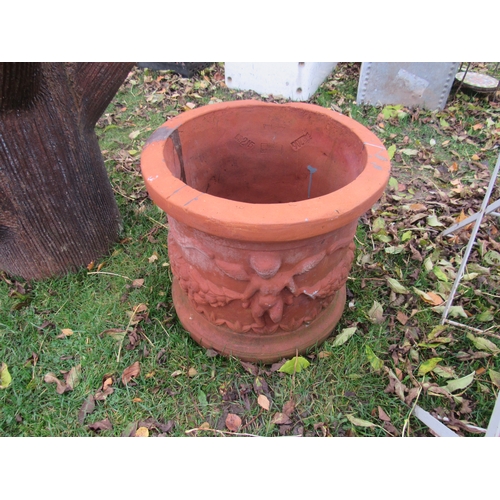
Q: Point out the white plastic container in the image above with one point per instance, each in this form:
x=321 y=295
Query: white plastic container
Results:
x=413 y=84
x=297 y=81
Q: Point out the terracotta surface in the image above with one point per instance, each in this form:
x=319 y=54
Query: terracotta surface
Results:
x=262 y=202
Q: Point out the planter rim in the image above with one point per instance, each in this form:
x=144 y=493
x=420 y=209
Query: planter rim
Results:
x=266 y=222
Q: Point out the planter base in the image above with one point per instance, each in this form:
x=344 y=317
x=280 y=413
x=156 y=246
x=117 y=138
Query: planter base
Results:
x=253 y=347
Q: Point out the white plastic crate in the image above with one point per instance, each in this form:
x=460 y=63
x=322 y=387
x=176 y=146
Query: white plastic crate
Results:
x=412 y=84
x=293 y=80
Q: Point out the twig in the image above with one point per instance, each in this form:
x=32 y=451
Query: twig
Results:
x=163 y=328
x=111 y=274
x=124 y=195
x=221 y=432
x=126 y=330
x=407 y=419
x=156 y=222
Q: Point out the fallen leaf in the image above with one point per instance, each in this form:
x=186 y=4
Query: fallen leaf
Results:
x=409 y=152
x=454 y=312
x=134 y=134
x=396 y=286
x=433 y=221
x=142 y=432
x=50 y=378
x=260 y=385
x=495 y=377
x=445 y=371
x=428 y=365
x=153 y=258
x=202 y=398
x=281 y=419
x=176 y=373
x=102 y=425
x=116 y=333
x=376 y=313
x=71 y=379
x=130 y=372
x=137 y=283
x=192 y=372
x=137 y=400
x=294 y=365
x=65 y=332
x=483 y=344
x=233 y=422
x=402 y=317
x=376 y=363
x=263 y=402
x=418 y=207
x=383 y=415
x=250 y=368
x=289 y=407
x=324 y=354
x=359 y=422
x=344 y=336
x=86 y=409
x=429 y=297
x=460 y=383
x=5 y=378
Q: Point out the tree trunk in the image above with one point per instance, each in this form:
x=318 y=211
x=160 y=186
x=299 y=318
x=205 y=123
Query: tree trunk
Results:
x=57 y=209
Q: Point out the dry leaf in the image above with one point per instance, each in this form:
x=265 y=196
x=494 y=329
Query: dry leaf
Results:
x=263 y=402
x=376 y=313
x=192 y=372
x=417 y=207
x=130 y=372
x=138 y=283
x=70 y=380
x=142 y=432
x=65 y=332
x=289 y=407
x=5 y=377
x=402 y=318
x=153 y=258
x=324 y=354
x=87 y=408
x=102 y=425
x=281 y=419
x=250 y=368
x=383 y=415
x=233 y=422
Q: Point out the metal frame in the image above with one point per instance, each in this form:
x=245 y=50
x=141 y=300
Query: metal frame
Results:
x=494 y=425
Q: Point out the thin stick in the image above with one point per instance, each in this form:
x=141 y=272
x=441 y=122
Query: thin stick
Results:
x=163 y=328
x=126 y=329
x=111 y=274
x=221 y=432
x=156 y=222
x=407 y=420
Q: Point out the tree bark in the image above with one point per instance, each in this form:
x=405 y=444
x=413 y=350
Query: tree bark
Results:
x=57 y=209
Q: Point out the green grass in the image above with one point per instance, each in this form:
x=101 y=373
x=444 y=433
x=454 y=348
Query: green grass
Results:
x=181 y=386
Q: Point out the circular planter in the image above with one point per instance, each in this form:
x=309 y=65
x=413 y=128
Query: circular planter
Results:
x=262 y=202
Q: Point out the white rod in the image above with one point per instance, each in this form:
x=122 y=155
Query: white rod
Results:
x=472 y=240
x=433 y=423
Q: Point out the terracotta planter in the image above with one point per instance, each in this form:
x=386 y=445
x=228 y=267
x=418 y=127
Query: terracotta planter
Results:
x=262 y=202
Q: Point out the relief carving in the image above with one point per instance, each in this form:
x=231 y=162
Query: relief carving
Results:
x=259 y=292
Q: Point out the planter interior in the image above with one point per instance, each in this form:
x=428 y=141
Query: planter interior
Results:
x=263 y=201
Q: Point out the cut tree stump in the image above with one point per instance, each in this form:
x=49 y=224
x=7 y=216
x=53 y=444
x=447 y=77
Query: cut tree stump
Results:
x=57 y=209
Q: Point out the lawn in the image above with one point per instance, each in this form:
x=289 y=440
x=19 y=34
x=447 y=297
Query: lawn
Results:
x=101 y=351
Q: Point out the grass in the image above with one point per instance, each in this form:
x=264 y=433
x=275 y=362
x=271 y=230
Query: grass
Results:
x=181 y=386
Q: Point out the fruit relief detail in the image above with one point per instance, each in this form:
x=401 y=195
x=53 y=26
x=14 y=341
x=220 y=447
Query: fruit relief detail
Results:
x=254 y=291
